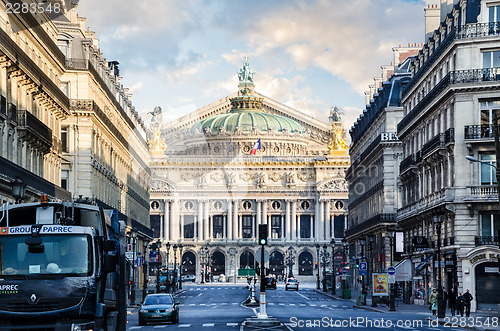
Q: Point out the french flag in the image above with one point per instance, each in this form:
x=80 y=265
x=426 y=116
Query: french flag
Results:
x=256 y=147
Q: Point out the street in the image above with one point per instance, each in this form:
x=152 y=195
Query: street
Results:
x=219 y=307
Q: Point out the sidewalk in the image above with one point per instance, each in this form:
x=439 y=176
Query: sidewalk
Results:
x=423 y=311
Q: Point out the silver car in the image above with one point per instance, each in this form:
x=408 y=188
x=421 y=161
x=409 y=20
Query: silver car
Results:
x=292 y=283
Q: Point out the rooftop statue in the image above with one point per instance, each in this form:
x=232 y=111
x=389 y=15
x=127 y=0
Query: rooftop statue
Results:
x=156 y=120
x=246 y=74
x=156 y=144
x=335 y=114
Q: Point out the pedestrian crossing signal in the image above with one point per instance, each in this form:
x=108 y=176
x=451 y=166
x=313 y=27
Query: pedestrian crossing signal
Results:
x=263 y=234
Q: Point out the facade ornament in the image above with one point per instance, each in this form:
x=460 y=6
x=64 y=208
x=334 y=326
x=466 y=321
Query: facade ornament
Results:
x=230 y=179
x=338 y=144
x=156 y=145
x=290 y=179
x=261 y=179
x=202 y=180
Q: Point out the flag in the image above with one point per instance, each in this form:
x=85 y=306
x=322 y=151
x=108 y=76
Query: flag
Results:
x=230 y=146
x=256 y=147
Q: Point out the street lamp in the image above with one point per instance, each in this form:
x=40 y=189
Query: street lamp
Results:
x=174 y=272
x=371 y=240
x=324 y=260
x=344 y=260
x=18 y=189
x=168 y=276
x=440 y=302
x=362 y=243
x=317 y=263
x=203 y=262
x=156 y=246
x=392 y=306
x=334 y=278
x=145 y=268
x=180 y=266
x=132 y=294
x=290 y=260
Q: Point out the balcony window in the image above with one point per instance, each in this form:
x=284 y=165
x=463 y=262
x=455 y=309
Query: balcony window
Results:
x=64 y=179
x=488 y=173
x=494 y=14
x=275 y=226
x=489 y=224
x=217 y=227
x=491 y=59
x=246 y=226
x=305 y=226
x=188 y=226
x=64 y=139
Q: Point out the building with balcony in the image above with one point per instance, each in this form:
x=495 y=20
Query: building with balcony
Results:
x=32 y=106
x=375 y=153
x=448 y=201
x=209 y=190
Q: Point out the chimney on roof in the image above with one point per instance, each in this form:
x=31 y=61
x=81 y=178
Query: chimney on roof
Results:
x=432 y=20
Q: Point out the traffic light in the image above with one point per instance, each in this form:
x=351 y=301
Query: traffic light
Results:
x=357 y=263
x=315 y=265
x=263 y=234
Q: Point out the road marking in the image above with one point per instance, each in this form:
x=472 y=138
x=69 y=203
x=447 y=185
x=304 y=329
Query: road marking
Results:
x=135 y=327
x=159 y=327
x=203 y=304
x=208 y=324
x=234 y=303
x=302 y=295
x=184 y=325
x=312 y=304
x=292 y=304
x=191 y=304
x=271 y=303
x=302 y=304
x=345 y=306
x=224 y=303
x=281 y=304
x=231 y=324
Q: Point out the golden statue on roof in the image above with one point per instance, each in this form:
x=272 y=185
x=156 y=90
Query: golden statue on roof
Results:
x=156 y=145
x=338 y=142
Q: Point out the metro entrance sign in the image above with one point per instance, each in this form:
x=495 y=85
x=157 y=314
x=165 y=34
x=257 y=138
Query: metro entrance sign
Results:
x=363 y=267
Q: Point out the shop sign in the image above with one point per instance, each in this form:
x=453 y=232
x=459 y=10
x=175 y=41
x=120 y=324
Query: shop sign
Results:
x=419 y=243
x=484 y=256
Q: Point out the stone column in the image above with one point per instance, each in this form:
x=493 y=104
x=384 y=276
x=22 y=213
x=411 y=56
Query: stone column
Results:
x=264 y=218
x=287 y=220
x=311 y=222
x=235 y=220
x=328 y=234
x=229 y=220
x=320 y=222
x=254 y=226
x=174 y=222
x=181 y=236
x=294 y=220
x=161 y=227
x=210 y=226
x=195 y=220
x=259 y=211
x=166 y=221
x=205 y=220
x=224 y=227
x=200 y=220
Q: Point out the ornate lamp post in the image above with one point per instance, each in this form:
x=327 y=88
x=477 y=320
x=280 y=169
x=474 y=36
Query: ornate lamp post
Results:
x=371 y=240
x=362 y=243
x=157 y=246
x=334 y=271
x=174 y=271
x=18 y=189
x=440 y=302
x=317 y=263
x=168 y=276
x=145 y=268
x=345 y=244
x=324 y=260
x=132 y=285
x=180 y=266
x=290 y=260
x=392 y=306
x=203 y=263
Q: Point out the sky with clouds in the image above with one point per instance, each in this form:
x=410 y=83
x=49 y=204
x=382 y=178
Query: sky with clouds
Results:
x=308 y=54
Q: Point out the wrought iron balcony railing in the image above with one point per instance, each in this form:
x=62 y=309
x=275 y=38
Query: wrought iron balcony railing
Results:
x=27 y=121
x=484 y=131
x=475 y=76
x=486 y=240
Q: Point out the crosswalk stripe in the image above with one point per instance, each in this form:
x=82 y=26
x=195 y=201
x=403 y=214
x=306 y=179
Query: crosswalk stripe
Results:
x=159 y=327
x=184 y=325
x=135 y=327
x=208 y=324
x=231 y=324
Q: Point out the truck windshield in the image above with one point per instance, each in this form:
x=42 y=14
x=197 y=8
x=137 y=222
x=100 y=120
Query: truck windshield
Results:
x=63 y=255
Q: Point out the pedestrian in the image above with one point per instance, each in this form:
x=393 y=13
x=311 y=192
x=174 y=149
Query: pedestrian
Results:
x=445 y=299
x=433 y=301
x=468 y=298
x=460 y=304
x=452 y=301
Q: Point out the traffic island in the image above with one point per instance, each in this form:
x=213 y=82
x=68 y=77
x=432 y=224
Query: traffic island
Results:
x=262 y=322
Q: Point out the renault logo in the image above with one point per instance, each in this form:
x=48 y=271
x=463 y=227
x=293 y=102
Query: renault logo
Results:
x=33 y=299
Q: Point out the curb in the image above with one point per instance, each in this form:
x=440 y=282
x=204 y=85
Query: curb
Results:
x=326 y=294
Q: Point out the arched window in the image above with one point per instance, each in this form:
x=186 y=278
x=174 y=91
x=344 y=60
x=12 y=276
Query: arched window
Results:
x=247 y=259
x=305 y=264
x=188 y=263
x=276 y=264
x=218 y=263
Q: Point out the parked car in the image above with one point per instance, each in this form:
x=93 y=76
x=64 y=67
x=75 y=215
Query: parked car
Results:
x=188 y=278
x=159 y=308
x=292 y=283
x=271 y=282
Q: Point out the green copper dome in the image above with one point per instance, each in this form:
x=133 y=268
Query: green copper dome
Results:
x=246 y=120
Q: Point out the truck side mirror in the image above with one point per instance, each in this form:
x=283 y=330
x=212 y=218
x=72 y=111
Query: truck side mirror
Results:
x=109 y=263
x=109 y=245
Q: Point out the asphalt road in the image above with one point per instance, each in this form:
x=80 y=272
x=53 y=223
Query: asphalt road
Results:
x=219 y=307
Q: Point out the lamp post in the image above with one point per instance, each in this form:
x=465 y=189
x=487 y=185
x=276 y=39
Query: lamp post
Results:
x=344 y=260
x=145 y=268
x=168 y=276
x=317 y=263
x=392 y=306
x=371 y=240
x=203 y=263
x=362 y=243
x=334 y=271
x=324 y=260
x=132 y=294
x=290 y=260
x=158 y=259
x=18 y=189
x=180 y=266
x=440 y=302
x=174 y=271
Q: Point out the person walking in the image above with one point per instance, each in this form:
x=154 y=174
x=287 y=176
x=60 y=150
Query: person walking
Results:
x=452 y=301
x=433 y=301
x=460 y=304
x=468 y=298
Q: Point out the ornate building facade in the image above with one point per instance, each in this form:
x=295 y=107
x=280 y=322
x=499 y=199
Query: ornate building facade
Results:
x=209 y=189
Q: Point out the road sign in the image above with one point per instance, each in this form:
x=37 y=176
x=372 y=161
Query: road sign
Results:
x=257 y=255
x=129 y=255
x=138 y=261
x=391 y=270
x=391 y=279
x=344 y=271
x=363 y=267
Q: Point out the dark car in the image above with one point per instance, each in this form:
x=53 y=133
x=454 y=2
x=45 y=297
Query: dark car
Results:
x=292 y=283
x=271 y=282
x=159 y=308
x=188 y=278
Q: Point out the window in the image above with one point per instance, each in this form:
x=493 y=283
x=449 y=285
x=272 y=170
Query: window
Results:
x=490 y=224
x=217 y=227
x=305 y=226
x=64 y=140
x=65 y=88
x=63 y=46
x=275 y=226
x=488 y=173
x=305 y=264
x=188 y=226
x=491 y=65
x=64 y=179
x=494 y=14
x=246 y=226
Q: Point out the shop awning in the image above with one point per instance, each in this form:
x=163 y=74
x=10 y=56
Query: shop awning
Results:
x=403 y=271
x=421 y=264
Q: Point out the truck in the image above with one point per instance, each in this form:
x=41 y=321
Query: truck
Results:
x=60 y=267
